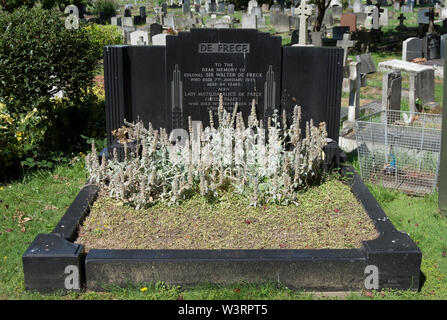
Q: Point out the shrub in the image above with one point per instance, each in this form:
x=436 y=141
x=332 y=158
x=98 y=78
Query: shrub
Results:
x=103 y=35
x=38 y=57
x=108 y=7
x=264 y=163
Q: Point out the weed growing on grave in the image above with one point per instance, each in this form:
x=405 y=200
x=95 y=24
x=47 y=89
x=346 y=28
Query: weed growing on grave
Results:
x=264 y=164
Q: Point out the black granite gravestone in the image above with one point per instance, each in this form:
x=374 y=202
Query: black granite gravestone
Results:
x=431 y=46
x=127 y=13
x=166 y=84
x=312 y=78
x=155 y=28
x=137 y=20
x=240 y=64
x=143 y=12
x=338 y=32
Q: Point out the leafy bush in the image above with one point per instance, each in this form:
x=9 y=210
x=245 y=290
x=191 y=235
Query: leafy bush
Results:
x=11 y=5
x=255 y=161
x=108 y=7
x=103 y=35
x=38 y=58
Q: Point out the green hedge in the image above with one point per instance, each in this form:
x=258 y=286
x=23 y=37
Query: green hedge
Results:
x=37 y=55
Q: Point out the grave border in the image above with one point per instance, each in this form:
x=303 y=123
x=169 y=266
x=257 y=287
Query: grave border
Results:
x=394 y=253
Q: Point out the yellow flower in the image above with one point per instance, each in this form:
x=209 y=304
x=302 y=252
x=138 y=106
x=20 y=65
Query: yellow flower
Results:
x=1 y=188
x=143 y=289
x=5 y=257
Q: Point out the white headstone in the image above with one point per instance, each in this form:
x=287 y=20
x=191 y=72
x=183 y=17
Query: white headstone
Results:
x=159 y=39
x=249 y=21
x=139 y=37
x=303 y=11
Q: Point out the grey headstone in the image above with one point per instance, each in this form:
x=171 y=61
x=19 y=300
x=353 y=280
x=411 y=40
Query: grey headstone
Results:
x=391 y=90
x=411 y=49
x=422 y=18
x=367 y=63
x=230 y=8
x=249 y=21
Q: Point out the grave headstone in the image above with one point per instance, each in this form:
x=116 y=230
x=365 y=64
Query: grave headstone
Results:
x=186 y=7
x=349 y=20
x=345 y=44
x=411 y=49
x=142 y=12
x=127 y=13
x=303 y=11
x=361 y=19
x=338 y=32
x=391 y=90
x=221 y=7
x=401 y=26
x=367 y=65
x=383 y=18
x=422 y=16
x=337 y=12
x=137 y=20
x=230 y=8
x=249 y=21
x=265 y=8
x=354 y=94
x=139 y=37
x=165 y=85
x=442 y=48
x=256 y=11
x=280 y=22
x=251 y=5
x=159 y=39
x=431 y=46
x=164 y=8
x=155 y=28
x=127 y=21
x=358 y=6
x=405 y=9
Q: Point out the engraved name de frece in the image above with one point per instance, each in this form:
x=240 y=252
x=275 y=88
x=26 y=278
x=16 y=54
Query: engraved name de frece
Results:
x=224 y=48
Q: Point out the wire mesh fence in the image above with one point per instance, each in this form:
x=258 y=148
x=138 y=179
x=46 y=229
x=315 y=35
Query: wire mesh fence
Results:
x=400 y=150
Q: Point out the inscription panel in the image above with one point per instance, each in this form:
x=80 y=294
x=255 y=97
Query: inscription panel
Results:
x=204 y=63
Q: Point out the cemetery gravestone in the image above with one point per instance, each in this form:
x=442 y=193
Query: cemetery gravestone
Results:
x=383 y=18
x=431 y=46
x=361 y=18
x=367 y=65
x=354 y=94
x=165 y=85
x=142 y=12
x=442 y=48
x=127 y=13
x=338 y=32
x=358 y=6
x=221 y=7
x=349 y=20
x=411 y=49
x=159 y=39
x=139 y=37
x=303 y=11
x=249 y=21
x=346 y=43
x=186 y=6
x=391 y=90
x=401 y=26
x=280 y=22
x=155 y=29
x=230 y=8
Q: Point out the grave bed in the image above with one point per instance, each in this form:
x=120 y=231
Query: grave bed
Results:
x=53 y=262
